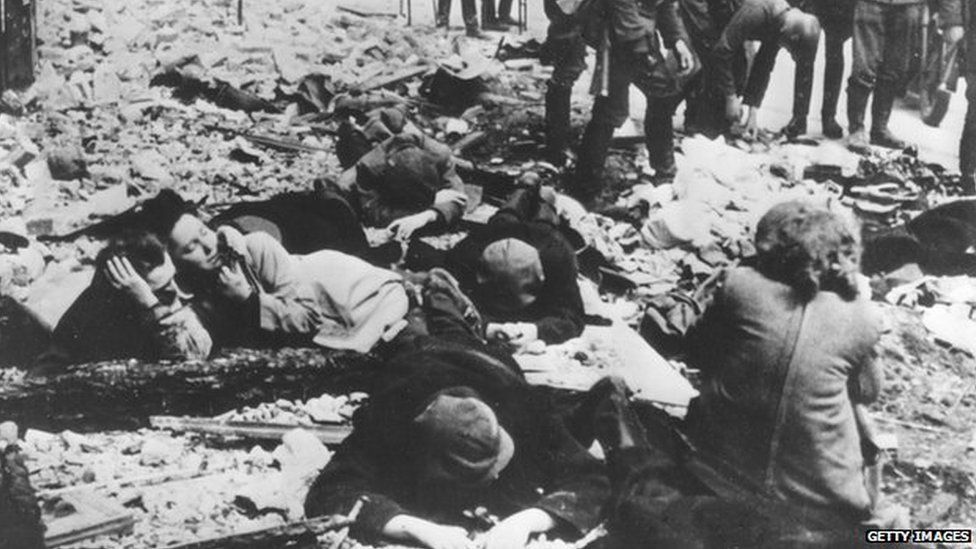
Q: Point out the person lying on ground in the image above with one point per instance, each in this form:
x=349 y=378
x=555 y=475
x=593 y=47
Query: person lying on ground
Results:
x=306 y=222
x=406 y=183
x=786 y=352
x=939 y=241
x=775 y=24
x=521 y=272
x=133 y=308
x=453 y=428
x=251 y=291
x=366 y=126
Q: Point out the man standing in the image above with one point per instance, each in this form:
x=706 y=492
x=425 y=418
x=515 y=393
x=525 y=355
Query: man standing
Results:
x=885 y=33
x=775 y=24
x=957 y=20
x=837 y=19
x=566 y=51
x=629 y=29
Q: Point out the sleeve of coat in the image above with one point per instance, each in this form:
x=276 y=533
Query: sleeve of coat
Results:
x=179 y=335
x=579 y=486
x=762 y=70
x=730 y=41
x=280 y=306
x=867 y=378
x=671 y=25
x=354 y=472
x=449 y=212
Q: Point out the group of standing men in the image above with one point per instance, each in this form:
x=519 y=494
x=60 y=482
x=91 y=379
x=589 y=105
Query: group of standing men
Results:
x=703 y=62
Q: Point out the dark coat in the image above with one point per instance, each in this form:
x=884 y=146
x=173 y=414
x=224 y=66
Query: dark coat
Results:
x=558 y=310
x=104 y=324
x=381 y=459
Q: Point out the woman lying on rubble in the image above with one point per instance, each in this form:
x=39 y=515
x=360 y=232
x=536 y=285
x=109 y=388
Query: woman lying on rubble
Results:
x=786 y=352
x=250 y=291
x=450 y=430
x=133 y=308
x=405 y=183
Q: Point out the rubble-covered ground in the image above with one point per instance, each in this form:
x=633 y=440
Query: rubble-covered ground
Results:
x=92 y=137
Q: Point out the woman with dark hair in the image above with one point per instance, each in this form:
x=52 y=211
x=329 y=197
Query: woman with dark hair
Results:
x=250 y=290
x=786 y=352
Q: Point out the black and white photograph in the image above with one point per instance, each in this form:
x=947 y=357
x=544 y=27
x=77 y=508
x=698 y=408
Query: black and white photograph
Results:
x=509 y=274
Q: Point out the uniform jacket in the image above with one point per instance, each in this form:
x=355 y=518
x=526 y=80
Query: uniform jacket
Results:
x=380 y=460
x=754 y=20
x=631 y=20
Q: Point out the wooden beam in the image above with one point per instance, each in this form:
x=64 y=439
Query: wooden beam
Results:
x=94 y=516
x=275 y=536
x=328 y=434
x=123 y=394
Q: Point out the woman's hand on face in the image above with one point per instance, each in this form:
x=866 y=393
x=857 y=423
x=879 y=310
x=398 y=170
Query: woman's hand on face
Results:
x=233 y=284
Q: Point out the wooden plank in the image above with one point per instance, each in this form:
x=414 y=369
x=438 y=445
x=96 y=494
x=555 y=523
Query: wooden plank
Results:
x=328 y=434
x=392 y=79
x=275 y=536
x=131 y=482
x=94 y=516
x=123 y=394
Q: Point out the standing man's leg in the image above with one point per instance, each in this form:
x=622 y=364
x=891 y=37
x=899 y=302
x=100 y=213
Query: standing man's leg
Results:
x=443 y=13
x=833 y=76
x=659 y=136
x=470 y=13
x=568 y=64
x=967 y=145
x=837 y=20
x=869 y=35
x=609 y=113
x=902 y=23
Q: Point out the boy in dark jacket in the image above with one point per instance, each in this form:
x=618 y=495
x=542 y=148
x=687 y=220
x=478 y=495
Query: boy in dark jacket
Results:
x=521 y=273
x=453 y=428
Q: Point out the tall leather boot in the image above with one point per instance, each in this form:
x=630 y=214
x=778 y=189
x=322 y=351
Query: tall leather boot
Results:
x=884 y=98
x=443 y=13
x=659 y=138
x=588 y=181
x=857 y=103
x=558 y=101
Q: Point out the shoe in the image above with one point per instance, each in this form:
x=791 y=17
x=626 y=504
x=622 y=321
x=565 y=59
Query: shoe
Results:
x=495 y=27
x=884 y=98
x=795 y=128
x=858 y=143
x=884 y=138
x=508 y=21
x=857 y=102
x=831 y=129
x=476 y=33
